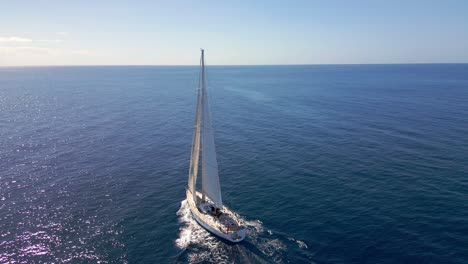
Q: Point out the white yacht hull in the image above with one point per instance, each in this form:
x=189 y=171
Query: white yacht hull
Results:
x=206 y=221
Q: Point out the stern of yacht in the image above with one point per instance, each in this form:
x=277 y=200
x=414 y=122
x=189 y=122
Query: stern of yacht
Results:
x=226 y=224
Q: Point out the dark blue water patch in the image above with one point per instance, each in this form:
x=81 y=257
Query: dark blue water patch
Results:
x=326 y=163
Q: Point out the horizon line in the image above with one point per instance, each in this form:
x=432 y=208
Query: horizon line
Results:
x=222 y=65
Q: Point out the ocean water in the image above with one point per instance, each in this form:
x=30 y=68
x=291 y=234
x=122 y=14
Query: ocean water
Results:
x=326 y=164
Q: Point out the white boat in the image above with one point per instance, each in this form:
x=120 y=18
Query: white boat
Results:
x=206 y=205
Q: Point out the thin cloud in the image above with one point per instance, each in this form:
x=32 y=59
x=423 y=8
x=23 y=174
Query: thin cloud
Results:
x=15 y=39
x=41 y=50
x=50 y=40
x=25 y=49
x=19 y=40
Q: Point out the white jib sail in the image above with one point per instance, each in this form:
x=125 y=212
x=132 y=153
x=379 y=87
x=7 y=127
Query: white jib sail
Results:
x=210 y=177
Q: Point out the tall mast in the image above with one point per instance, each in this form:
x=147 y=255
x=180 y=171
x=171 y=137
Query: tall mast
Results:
x=203 y=92
x=203 y=70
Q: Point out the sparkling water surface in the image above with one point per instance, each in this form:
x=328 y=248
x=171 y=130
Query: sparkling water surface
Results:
x=327 y=164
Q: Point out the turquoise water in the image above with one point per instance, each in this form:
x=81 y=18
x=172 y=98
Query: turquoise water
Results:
x=327 y=164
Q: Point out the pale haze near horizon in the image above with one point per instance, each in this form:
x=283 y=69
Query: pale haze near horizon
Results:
x=240 y=33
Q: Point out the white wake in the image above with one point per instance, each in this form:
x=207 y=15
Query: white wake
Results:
x=191 y=233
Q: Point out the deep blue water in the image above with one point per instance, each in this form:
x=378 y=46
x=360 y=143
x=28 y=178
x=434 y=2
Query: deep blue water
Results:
x=327 y=164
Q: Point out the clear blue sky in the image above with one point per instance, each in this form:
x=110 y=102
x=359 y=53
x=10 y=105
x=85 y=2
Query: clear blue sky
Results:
x=232 y=32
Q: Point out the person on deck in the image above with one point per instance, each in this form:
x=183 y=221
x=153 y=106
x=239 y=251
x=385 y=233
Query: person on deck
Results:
x=218 y=213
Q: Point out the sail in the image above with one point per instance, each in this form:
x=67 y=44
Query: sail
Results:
x=196 y=142
x=210 y=177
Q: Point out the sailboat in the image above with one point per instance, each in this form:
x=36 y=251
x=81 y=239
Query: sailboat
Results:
x=206 y=205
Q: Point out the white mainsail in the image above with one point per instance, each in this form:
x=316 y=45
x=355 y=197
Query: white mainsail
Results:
x=204 y=139
x=195 y=147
